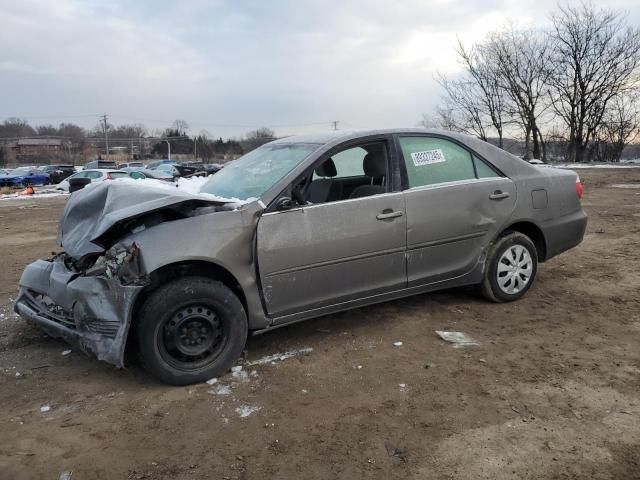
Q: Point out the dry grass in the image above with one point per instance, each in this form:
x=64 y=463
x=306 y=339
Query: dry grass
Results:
x=5 y=190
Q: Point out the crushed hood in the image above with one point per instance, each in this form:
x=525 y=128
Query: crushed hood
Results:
x=94 y=210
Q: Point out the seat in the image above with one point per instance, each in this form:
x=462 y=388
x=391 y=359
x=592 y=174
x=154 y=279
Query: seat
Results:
x=324 y=189
x=374 y=165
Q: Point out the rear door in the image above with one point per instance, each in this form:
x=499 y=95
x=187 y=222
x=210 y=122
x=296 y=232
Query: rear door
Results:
x=456 y=203
x=312 y=256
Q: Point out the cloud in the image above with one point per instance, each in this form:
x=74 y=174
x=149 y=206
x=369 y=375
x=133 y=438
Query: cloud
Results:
x=214 y=63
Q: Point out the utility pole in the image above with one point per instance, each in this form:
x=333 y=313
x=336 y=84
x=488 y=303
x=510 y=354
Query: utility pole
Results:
x=195 y=149
x=335 y=124
x=168 y=149
x=106 y=135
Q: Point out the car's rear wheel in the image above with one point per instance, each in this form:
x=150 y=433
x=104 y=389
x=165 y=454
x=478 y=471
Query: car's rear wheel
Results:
x=190 y=330
x=511 y=268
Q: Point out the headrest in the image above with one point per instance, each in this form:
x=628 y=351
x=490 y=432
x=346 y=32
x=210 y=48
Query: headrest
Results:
x=327 y=169
x=374 y=164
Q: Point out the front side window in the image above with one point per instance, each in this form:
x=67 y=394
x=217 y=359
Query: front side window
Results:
x=430 y=161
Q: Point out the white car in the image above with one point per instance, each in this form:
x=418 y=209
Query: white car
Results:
x=95 y=174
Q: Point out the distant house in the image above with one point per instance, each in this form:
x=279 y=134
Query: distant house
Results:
x=25 y=148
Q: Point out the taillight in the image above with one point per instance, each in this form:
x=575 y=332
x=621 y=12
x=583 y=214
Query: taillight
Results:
x=578 y=187
x=109 y=177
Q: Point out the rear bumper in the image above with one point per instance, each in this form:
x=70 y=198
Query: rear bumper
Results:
x=564 y=232
x=92 y=312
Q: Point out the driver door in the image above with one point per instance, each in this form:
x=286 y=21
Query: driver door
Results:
x=313 y=256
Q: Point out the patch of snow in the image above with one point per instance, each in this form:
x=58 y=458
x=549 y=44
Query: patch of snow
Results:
x=397 y=344
x=625 y=185
x=37 y=195
x=240 y=375
x=578 y=166
x=190 y=186
x=66 y=352
x=246 y=410
x=458 y=339
x=220 y=390
x=45 y=408
x=212 y=381
x=280 y=356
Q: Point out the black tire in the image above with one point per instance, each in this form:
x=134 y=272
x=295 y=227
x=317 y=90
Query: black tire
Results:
x=190 y=330
x=510 y=242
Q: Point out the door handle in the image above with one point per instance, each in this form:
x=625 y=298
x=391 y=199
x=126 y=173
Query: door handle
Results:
x=499 y=195
x=388 y=215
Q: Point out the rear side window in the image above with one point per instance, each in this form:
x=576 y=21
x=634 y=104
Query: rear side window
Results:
x=118 y=174
x=94 y=175
x=483 y=170
x=434 y=160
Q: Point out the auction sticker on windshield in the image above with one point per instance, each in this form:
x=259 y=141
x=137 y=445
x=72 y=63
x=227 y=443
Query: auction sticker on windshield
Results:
x=427 y=158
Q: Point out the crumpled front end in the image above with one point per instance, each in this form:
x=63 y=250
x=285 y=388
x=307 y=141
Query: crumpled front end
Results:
x=89 y=307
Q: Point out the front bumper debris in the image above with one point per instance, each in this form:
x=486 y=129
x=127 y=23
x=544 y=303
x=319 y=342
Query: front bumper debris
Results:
x=91 y=309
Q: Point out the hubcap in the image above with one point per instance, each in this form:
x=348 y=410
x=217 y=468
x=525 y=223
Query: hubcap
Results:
x=514 y=269
x=192 y=336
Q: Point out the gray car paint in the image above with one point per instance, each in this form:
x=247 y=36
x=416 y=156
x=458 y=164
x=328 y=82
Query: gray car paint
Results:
x=304 y=262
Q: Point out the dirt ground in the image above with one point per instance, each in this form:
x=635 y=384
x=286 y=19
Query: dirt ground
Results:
x=553 y=391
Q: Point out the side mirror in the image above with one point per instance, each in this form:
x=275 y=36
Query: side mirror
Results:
x=284 y=203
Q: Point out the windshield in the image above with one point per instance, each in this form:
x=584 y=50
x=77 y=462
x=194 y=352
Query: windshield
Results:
x=256 y=172
x=20 y=171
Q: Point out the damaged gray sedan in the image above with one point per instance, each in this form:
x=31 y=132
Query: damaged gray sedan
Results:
x=298 y=228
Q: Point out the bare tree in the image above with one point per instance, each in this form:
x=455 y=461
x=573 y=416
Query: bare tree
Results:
x=181 y=126
x=256 y=138
x=596 y=59
x=520 y=58
x=620 y=126
x=465 y=99
x=16 y=127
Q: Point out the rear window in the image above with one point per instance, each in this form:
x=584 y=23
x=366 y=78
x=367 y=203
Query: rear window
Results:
x=118 y=174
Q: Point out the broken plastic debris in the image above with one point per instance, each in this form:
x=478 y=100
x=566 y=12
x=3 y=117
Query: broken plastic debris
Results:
x=246 y=410
x=397 y=344
x=45 y=408
x=220 y=390
x=281 y=356
x=458 y=339
x=66 y=352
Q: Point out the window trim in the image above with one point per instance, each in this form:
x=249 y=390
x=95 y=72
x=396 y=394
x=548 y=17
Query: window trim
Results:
x=403 y=165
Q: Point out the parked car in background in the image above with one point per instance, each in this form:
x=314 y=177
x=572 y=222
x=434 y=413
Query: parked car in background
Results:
x=3 y=171
x=95 y=175
x=156 y=163
x=58 y=173
x=101 y=164
x=297 y=228
x=24 y=176
x=122 y=166
x=209 y=169
x=141 y=173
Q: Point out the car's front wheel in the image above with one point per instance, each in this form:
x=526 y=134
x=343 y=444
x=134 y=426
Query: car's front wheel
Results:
x=511 y=267
x=190 y=330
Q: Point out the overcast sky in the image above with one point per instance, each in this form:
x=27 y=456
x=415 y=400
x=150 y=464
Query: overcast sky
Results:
x=229 y=66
